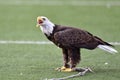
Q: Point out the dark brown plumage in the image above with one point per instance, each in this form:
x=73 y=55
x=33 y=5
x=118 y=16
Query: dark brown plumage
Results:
x=71 y=40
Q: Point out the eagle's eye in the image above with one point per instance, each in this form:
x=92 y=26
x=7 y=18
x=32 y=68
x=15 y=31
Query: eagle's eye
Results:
x=44 y=19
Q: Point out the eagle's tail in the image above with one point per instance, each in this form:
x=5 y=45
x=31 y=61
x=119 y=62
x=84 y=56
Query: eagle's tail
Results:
x=107 y=48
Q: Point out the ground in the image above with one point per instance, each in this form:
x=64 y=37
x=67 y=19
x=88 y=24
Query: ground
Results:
x=37 y=62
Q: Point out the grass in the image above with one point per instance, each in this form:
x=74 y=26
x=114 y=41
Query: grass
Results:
x=34 y=62
x=37 y=62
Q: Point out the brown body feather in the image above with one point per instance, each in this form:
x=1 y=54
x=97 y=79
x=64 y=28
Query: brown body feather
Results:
x=71 y=40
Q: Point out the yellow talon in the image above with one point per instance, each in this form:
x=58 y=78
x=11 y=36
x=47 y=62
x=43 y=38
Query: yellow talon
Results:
x=64 y=69
x=67 y=70
x=60 y=68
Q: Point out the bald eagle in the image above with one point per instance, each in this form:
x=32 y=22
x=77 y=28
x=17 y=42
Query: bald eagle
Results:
x=71 y=40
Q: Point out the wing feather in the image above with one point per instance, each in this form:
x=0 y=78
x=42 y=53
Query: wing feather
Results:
x=73 y=37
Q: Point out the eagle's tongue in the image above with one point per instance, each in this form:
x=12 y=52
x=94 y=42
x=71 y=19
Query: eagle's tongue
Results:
x=40 y=21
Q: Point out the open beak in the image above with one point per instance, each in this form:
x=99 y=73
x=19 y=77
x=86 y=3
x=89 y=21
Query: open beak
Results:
x=37 y=25
x=39 y=21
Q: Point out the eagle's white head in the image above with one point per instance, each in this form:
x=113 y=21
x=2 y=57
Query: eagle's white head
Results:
x=45 y=25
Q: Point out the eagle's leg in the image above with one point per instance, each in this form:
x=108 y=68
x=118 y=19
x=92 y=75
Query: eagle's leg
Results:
x=73 y=57
x=65 y=59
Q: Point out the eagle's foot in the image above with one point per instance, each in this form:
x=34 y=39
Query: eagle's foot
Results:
x=60 y=68
x=67 y=70
x=64 y=69
x=82 y=70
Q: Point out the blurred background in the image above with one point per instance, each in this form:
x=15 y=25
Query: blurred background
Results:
x=35 y=62
x=18 y=17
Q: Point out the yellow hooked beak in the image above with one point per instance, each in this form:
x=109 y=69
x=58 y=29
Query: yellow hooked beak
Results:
x=39 y=21
x=37 y=25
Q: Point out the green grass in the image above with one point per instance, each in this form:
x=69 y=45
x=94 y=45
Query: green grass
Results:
x=37 y=62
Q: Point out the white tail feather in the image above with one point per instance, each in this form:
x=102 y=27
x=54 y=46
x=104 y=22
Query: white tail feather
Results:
x=107 y=48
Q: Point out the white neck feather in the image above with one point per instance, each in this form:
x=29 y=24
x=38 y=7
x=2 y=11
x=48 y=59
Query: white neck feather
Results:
x=47 y=27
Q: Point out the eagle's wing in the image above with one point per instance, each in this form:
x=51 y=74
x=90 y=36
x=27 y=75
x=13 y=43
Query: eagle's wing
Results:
x=73 y=37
